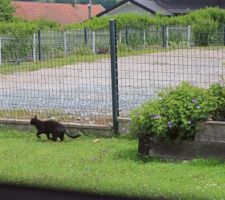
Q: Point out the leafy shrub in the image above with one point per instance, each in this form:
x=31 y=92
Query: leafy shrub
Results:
x=178 y=44
x=82 y=51
x=19 y=34
x=17 y=49
x=206 y=24
x=205 y=33
x=174 y=113
x=22 y=28
x=217 y=90
x=6 y=10
x=131 y=20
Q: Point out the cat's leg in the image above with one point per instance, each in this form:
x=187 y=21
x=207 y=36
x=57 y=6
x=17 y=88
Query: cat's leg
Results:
x=54 y=138
x=61 y=137
x=38 y=134
x=60 y=134
x=48 y=136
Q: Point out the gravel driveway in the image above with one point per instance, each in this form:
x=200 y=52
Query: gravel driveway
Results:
x=85 y=88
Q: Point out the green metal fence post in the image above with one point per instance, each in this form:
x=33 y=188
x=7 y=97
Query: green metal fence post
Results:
x=114 y=75
x=126 y=33
x=224 y=35
x=39 y=45
x=85 y=36
x=165 y=36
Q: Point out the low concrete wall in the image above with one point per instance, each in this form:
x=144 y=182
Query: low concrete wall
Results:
x=209 y=142
x=213 y=131
x=102 y=130
x=24 y=125
x=186 y=150
x=124 y=124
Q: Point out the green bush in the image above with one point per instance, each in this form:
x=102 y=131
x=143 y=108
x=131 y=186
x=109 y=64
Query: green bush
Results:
x=217 y=90
x=131 y=20
x=22 y=28
x=17 y=49
x=6 y=10
x=141 y=21
x=205 y=33
x=19 y=34
x=174 y=113
x=207 y=24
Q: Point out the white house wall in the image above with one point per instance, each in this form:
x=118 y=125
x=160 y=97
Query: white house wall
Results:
x=128 y=8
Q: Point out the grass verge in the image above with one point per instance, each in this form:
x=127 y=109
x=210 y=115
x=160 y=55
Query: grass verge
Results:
x=105 y=166
x=9 y=68
x=59 y=115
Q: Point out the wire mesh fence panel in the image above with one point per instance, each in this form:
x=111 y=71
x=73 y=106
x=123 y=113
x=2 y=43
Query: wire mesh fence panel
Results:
x=67 y=75
x=143 y=74
x=16 y=49
x=153 y=36
x=50 y=45
x=74 y=41
x=75 y=86
x=179 y=36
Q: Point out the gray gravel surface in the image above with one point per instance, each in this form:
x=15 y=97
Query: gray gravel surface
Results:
x=85 y=88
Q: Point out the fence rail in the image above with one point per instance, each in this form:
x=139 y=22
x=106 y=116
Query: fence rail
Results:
x=52 y=44
x=77 y=76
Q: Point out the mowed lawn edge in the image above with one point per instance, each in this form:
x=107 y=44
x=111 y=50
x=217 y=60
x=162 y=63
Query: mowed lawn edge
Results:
x=105 y=166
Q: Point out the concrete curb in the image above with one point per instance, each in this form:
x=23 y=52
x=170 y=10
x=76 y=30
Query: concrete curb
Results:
x=24 y=125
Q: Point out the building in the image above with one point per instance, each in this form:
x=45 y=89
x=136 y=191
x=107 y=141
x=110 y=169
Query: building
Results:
x=61 y=13
x=164 y=7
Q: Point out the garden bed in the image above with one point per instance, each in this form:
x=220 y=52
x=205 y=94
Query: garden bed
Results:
x=209 y=141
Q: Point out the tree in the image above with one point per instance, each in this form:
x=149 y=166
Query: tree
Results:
x=6 y=10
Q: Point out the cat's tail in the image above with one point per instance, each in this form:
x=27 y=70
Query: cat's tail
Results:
x=71 y=135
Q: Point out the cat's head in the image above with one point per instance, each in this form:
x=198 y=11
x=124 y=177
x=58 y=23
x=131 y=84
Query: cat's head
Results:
x=33 y=120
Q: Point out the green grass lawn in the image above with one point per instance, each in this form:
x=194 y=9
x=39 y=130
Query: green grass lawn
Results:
x=51 y=63
x=85 y=56
x=105 y=166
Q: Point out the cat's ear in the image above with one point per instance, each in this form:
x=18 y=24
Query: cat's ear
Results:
x=35 y=117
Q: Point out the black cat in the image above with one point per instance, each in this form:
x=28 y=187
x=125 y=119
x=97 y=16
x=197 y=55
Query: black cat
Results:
x=52 y=127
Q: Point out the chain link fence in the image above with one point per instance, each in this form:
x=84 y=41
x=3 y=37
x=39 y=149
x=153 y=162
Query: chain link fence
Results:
x=67 y=75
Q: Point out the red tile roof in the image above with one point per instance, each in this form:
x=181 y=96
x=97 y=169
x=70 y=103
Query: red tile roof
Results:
x=59 y=12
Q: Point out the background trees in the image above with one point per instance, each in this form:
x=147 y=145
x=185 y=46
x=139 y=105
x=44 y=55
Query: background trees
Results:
x=6 y=10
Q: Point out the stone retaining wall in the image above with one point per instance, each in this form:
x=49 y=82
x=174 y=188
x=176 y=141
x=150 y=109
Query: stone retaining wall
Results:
x=24 y=125
x=209 y=142
x=102 y=130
